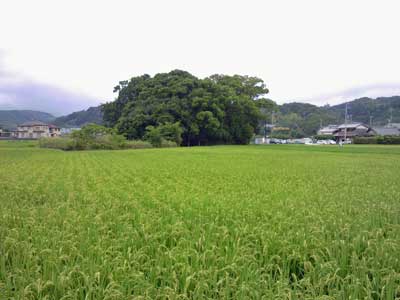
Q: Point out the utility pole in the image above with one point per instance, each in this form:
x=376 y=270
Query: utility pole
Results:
x=272 y=118
x=345 y=124
x=370 y=121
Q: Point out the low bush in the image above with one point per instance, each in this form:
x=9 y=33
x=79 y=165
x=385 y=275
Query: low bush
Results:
x=168 y=144
x=165 y=135
x=137 y=144
x=107 y=142
x=96 y=137
x=380 y=140
x=389 y=140
x=62 y=143
x=365 y=140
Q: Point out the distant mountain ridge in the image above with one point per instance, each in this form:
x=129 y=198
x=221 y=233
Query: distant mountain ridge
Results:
x=9 y=119
x=305 y=119
x=381 y=110
x=81 y=118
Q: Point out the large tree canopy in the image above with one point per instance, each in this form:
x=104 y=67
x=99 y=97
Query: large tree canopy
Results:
x=218 y=109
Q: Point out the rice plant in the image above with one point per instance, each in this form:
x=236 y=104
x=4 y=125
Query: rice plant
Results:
x=228 y=222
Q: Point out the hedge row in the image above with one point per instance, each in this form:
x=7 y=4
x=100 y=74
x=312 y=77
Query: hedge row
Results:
x=101 y=143
x=383 y=140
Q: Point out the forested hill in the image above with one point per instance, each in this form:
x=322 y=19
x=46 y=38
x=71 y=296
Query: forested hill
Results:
x=9 y=119
x=305 y=119
x=381 y=110
x=81 y=118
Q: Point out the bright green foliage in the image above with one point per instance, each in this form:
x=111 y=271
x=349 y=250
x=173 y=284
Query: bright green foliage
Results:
x=153 y=135
x=62 y=143
x=165 y=132
x=215 y=110
x=229 y=222
x=97 y=137
x=91 y=131
x=90 y=137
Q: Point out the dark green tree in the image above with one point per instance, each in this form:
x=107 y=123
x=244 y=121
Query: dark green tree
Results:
x=215 y=110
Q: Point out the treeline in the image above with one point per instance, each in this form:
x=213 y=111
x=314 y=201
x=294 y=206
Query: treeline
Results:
x=180 y=107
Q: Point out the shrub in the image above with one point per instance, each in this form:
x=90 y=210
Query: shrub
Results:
x=389 y=140
x=171 y=132
x=108 y=141
x=137 y=144
x=153 y=135
x=365 y=140
x=168 y=144
x=58 y=143
x=383 y=140
x=95 y=137
x=165 y=132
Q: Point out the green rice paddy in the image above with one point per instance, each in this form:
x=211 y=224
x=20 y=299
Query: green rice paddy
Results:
x=228 y=222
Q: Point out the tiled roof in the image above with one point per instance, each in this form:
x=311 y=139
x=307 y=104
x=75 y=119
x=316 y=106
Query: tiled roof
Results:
x=393 y=125
x=386 y=131
x=351 y=125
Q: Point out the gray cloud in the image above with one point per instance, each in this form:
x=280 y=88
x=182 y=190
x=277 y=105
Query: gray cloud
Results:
x=18 y=92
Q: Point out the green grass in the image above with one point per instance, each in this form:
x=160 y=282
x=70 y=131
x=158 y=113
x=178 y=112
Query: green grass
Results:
x=230 y=222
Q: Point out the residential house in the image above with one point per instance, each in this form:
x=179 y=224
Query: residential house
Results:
x=352 y=130
x=36 y=130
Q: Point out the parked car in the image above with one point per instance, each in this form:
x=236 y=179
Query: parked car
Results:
x=322 y=142
x=274 y=141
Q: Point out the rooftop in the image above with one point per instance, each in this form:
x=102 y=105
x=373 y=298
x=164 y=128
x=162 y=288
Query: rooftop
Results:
x=393 y=125
x=386 y=130
x=352 y=125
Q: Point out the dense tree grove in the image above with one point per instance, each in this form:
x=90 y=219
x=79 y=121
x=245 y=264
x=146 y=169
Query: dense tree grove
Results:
x=183 y=108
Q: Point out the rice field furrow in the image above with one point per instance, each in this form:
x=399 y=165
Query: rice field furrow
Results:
x=200 y=223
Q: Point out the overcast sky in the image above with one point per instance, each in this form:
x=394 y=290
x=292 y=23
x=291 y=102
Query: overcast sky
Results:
x=61 y=56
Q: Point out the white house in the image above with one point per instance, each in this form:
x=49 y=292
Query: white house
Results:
x=36 y=130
